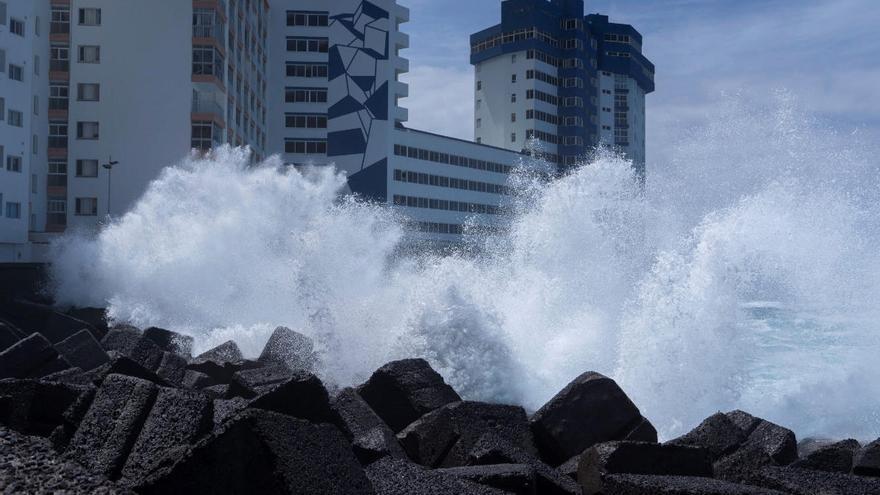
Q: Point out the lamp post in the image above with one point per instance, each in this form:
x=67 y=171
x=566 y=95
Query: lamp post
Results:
x=109 y=166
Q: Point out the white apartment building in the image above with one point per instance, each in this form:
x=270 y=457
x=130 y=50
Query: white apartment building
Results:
x=335 y=74
x=24 y=42
x=135 y=85
x=571 y=82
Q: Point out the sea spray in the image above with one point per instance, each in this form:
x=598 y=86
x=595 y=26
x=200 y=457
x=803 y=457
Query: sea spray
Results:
x=743 y=273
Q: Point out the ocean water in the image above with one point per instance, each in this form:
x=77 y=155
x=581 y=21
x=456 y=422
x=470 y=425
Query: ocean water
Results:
x=744 y=274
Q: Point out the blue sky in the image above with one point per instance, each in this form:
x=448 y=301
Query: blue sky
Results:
x=826 y=53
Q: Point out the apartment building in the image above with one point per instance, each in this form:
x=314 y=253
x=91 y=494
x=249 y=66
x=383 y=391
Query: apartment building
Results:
x=551 y=77
x=134 y=86
x=24 y=43
x=335 y=77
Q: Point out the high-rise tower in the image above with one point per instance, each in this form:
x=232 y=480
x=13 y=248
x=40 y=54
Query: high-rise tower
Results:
x=569 y=81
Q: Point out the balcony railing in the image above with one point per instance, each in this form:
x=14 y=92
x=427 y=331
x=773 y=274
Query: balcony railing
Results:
x=59 y=103
x=59 y=28
x=55 y=180
x=203 y=104
x=216 y=31
x=58 y=141
x=59 y=66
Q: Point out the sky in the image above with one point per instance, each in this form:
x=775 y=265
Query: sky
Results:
x=823 y=53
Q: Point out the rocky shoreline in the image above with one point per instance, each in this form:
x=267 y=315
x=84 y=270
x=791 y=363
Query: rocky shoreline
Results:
x=89 y=409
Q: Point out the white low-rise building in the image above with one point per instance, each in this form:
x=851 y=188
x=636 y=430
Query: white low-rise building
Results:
x=24 y=44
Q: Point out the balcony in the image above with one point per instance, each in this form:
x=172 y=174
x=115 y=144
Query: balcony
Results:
x=59 y=28
x=213 y=34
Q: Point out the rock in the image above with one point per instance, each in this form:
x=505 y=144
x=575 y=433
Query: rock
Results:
x=778 y=442
x=96 y=317
x=446 y=436
x=9 y=335
x=177 y=419
x=810 y=444
x=718 y=434
x=639 y=458
x=402 y=391
x=867 y=460
x=570 y=467
x=112 y=424
x=197 y=380
x=289 y=348
x=170 y=341
x=643 y=432
x=301 y=395
x=219 y=392
x=172 y=368
x=39 y=318
x=226 y=352
x=369 y=434
x=131 y=343
x=808 y=482
x=641 y=484
x=745 y=421
x=518 y=479
x=82 y=351
x=589 y=410
x=37 y=408
x=121 y=365
x=491 y=449
x=71 y=419
x=837 y=457
x=27 y=357
x=391 y=476
x=29 y=465
x=267 y=453
x=740 y=466
x=257 y=380
x=70 y=376
x=226 y=409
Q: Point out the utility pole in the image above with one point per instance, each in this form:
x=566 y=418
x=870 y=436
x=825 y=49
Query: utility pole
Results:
x=109 y=166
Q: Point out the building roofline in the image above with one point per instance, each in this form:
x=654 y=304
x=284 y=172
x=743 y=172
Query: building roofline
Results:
x=417 y=131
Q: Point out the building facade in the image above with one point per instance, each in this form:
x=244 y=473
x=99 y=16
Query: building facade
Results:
x=24 y=42
x=134 y=86
x=550 y=78
x=335 y=71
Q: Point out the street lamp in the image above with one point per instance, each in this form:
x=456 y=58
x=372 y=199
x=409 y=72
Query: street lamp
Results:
x=109 y=166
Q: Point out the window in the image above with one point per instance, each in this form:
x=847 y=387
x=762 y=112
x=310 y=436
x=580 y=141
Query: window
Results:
x=34 y=183
x=2 y=13
x=15 y=118
x=513 y=97
x=479 y=104
x=479 y=123
x=512 y=137
x=305 y=95
x=479 y=85
x=35 y=144
x=295 y=69
x=87 y=207
x=313 y=45
x=306 y=18
x=204 y=135
x=87 y=130
x=16 y=73
x=60 y=58
x=36 y=105
x=87 y=168
x=88 y=91
x=16 y=26
x=13 y=210
x=89 y=54
x=513 y=117
x=207 y=61
x=2 y=109
x=305 y=121
x=37 y=25
x=89 y=17
x=58 y=134
x=13 y=163
x=36 y=65
x=513 y=78
x=305 y=146
x=60 y=20
x=2 y=60
x=513 y=58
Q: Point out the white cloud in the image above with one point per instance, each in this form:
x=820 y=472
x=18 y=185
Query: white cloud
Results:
x=441 y=100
